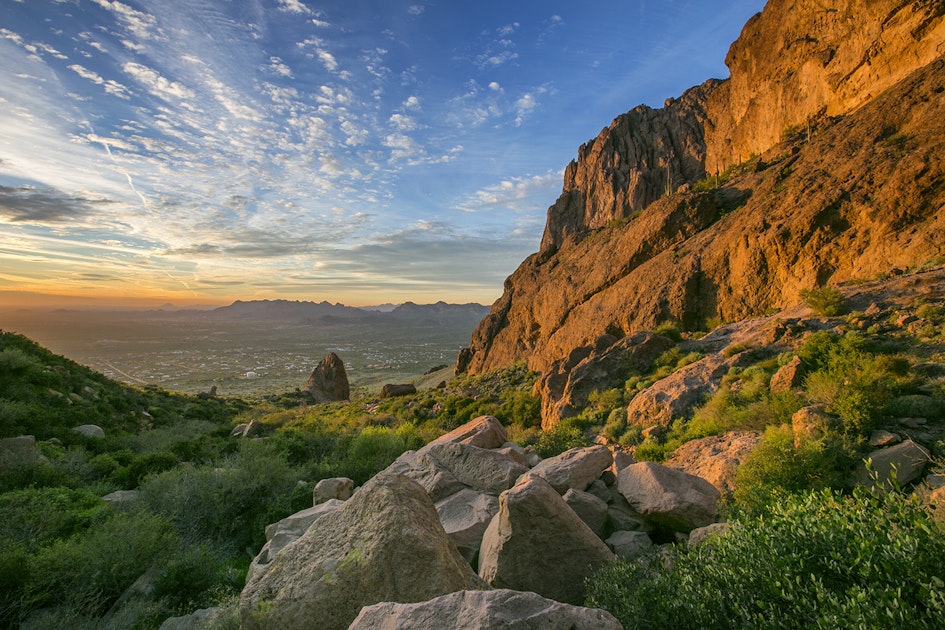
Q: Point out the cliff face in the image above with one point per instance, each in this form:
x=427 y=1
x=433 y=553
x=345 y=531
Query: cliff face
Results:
x=856 y=189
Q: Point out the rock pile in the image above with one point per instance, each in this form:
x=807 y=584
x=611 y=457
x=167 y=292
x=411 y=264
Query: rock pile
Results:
x=467 y=513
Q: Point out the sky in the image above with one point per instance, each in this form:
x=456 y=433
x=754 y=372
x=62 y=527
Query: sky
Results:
x=355 y=151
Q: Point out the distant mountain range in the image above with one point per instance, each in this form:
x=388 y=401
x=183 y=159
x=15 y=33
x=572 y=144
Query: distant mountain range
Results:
x=310 y=312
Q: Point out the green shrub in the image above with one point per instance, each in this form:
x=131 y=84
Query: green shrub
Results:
x=826 y=301
x=813 y=560
x=35 y=517
x=777 y=466
x=566 y=435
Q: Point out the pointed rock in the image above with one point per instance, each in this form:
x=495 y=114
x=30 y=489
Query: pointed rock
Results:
x=329 y=382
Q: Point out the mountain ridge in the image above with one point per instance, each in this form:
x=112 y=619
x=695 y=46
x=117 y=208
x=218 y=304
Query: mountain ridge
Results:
x=645 y=232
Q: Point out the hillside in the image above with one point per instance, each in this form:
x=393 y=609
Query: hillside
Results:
x=818 y=162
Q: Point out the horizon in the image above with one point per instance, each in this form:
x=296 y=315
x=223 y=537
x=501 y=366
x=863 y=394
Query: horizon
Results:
x=162 y=152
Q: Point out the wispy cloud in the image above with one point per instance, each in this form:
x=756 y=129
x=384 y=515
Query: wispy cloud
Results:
x=46 y=205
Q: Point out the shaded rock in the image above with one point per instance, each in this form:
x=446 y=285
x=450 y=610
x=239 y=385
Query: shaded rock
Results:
x=392 y=390
x=621 y=517
x=484 y=432
x=907 y=460
x=332 y=488
x=622 y=459
x=16 y=452
x=478 y=610
x=384 y=544
x=629 y=545
x=565 y=387
x=669 y=497
x=882 y=439
x=465 y=517
x=701 y=534
x=575 y=468
x=591 y=509
x=715 y=458
x=789 y=376
x=90 y=430
x=600 y=490
x=202 y=619
x=514 y=452
x=290 y=529
x=480 y=469
x=537 y=543
x=329 y=381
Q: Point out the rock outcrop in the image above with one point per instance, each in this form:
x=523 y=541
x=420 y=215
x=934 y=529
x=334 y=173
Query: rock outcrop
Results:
x=384 y=544
x=475 y=610
x=828 y=142
x=329 y=381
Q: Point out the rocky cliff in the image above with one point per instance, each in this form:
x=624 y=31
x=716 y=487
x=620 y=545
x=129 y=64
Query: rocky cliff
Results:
x=820 y=160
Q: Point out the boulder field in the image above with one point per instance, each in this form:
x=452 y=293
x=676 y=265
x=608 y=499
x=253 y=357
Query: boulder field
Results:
x=463 y=531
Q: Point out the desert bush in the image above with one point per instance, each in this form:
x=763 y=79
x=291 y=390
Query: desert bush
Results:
x=519 y=408
x=568 y=434
x=777 y=466
x=34 y=517
x=826 y=301
x=812 y=560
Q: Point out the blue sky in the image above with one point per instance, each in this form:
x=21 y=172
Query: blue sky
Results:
x=356 y=151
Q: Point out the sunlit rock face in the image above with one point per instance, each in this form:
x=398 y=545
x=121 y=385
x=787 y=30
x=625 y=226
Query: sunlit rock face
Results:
x=830 y=129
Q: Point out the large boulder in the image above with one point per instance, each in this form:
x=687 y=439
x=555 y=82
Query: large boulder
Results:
x=591 y=509
x=676 y=394
x=576 y=468
x=537 y=543
x=668 y=497
x=476 y=610
x=384 y=544
x=566 y=386
x=329 y=381
x=715 y=458
x=483 y=470
x=629 y=545
x=484 y=432
x=465 y=517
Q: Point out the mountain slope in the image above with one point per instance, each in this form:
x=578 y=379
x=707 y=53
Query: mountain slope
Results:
x=635 y=239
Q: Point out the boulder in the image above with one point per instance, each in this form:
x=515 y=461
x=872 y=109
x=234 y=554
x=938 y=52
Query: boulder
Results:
x=591 y=509
x=384 y=544
x=90 y=430
x=629 y=545
x=477 y=610
x=465 y=517
x=564 y=388
x=537 y=543
x=484 y=432
x=329 y=381
x=622 y=517
x=576 y=468
x=437 y=481
x=332 y=488
x=789 y=376
x=715 y=458
x=392 y=390
x=675 y=395
x=480 y=469
x=290 y=529
x=881 y=439
x=907 y=460
x=16 y=452
x=669 y=497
